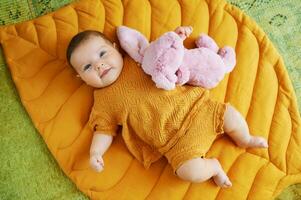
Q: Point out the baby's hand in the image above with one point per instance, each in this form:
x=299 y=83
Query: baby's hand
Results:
x=184 y=31
x=96 y=162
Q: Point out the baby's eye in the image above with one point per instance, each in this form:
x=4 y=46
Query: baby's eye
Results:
x=102 y=53
x=87 y=67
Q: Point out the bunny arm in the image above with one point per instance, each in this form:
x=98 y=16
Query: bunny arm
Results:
x=133 y=42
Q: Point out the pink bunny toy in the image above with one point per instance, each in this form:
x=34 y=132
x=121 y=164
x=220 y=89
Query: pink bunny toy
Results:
x=170 y=63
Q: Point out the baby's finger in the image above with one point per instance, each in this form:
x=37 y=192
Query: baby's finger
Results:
x=188 y=30
x=96 y=165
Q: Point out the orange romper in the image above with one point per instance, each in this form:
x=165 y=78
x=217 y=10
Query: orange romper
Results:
x=180 y=124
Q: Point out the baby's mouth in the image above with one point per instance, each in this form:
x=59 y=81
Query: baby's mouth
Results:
x=105 y=72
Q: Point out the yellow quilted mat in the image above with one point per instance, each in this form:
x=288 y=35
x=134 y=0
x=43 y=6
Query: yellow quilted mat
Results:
x=59 y=103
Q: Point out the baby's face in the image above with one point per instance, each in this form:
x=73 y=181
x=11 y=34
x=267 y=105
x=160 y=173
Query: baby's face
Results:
x=98 y=63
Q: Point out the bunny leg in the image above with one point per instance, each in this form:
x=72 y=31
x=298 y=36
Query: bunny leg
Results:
x=183 y=75
x=207 y=42
x=228 y=56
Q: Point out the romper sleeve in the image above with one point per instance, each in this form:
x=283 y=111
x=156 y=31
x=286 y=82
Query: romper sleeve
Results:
x=103 y=119
x=103 y=123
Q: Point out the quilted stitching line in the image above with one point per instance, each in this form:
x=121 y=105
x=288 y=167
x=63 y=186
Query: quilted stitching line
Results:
x=57 y=19
x=61 y=71
x=241 y=25
x=157 y=181
x=74 y=140
x=35 y=74
x=36 y=34
x=166 y=20
x=257 y=174
x=291 y=117
x=278 y=184
x=145 y=19
x=124 y=11
x=269 y=151
x=84 y=12
x=221 y=21
x=217 y=3
x=18 y=35
x=194 y=12
x=45 y=27
x=47 y=123
x=77 y=18
x=209 y=28
x=229 y=170
x=107 y=20
x=290 y=139
x=59 y=109
x=37 y=47
x=56 y=35
x=151 y=17
x=107 y=189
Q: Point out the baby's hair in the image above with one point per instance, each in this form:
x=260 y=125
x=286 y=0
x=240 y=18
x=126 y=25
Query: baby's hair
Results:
x=80 y=37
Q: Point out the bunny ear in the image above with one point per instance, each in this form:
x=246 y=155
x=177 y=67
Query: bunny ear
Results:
x=133 y=42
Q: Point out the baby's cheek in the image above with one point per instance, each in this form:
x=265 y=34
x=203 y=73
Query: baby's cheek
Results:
x=89 y=78
x=116 y=59
x=113 y=62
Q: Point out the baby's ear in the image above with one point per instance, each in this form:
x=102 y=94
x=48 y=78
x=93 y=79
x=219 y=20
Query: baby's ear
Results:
x=133 y=42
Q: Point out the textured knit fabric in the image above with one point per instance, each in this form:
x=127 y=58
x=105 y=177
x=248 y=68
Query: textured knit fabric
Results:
x=205 y=128
x=153 y=120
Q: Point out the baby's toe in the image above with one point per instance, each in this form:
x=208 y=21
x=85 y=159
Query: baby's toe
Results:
x=222 y=180
x=227 y=184
x=259 y=142
x=263 y=142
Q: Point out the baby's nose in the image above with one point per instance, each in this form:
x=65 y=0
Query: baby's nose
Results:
x=99 y=66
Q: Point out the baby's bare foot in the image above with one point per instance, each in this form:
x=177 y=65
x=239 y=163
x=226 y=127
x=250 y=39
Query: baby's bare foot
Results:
x=256 y=141
x=221 y=179
x=96 y=162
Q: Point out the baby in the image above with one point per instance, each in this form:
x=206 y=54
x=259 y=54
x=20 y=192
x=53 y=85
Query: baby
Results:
x=180 y=124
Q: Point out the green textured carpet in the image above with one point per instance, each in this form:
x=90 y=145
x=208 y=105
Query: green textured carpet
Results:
x=27 y=169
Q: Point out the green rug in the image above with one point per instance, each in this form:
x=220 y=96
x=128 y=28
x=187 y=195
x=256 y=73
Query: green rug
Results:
x=27 y=169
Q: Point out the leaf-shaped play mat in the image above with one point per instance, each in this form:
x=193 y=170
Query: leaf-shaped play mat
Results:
x=59 y=103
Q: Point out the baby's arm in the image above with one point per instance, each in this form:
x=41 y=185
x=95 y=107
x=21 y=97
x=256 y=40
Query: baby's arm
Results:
x=100 y=144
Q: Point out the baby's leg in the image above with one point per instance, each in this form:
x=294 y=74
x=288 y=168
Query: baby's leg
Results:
x=236 y=127
x=200 y=169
